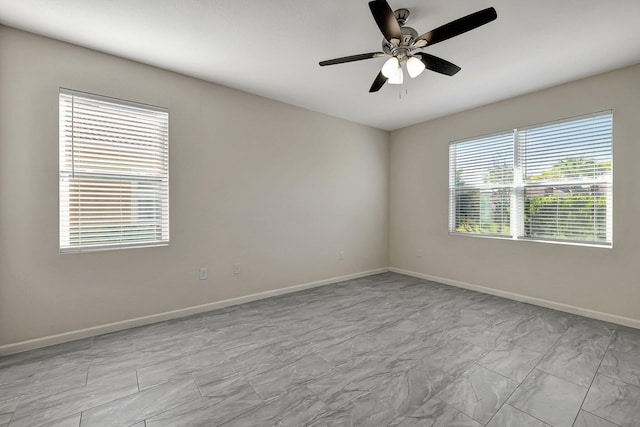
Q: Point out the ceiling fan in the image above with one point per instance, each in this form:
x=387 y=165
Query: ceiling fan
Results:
x=403 y=44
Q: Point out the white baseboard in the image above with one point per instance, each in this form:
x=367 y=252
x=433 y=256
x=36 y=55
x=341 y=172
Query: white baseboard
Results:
x=620 y=320
x=32 y=344
x=183 y=312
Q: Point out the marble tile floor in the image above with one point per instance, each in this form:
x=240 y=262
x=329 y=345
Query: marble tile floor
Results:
x=381 y=350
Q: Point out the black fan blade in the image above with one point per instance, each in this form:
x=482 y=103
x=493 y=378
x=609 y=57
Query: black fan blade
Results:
x=459 y=26
x=438 y=65
x=378 y=82
x=351 y=58
x=386 y=20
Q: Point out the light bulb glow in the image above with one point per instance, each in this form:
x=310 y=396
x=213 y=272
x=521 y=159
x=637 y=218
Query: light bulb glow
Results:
x=390 y=68
x=397 y=78
x=414 y=67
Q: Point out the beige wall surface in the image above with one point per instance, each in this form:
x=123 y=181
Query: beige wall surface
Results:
x=279 y=189
x=599 y=279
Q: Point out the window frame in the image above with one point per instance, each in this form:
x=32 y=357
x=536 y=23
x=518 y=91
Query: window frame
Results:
x=139 y=182
x=519 y=185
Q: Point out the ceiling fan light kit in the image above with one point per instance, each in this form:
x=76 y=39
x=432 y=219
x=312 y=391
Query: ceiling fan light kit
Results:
x=415 y=67
x=390 y=67
x=397 y=78
x=402 y=44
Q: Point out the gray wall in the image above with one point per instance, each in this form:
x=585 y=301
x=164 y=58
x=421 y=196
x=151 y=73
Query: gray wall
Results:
x=279 y=189
x=597 y=279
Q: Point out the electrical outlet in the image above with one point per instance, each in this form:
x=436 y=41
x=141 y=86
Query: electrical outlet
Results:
x=419 y=253
x=236 y=268
x=204 y=273
x=341 y=255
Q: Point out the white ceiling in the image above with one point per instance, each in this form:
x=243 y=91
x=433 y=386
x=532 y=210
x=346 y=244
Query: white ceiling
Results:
x=272 y=47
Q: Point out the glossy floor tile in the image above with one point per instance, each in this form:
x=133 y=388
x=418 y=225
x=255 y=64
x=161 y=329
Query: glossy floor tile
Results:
x=376 y=351
x=510 y=416
x=478 y=393
x=586 y=419
x=549 y=398
x=615 y=401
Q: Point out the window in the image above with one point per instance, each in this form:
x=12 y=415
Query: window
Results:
x=114 y=173
x=550 y=182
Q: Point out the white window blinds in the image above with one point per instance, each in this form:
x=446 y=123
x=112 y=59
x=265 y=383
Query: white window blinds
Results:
x=480 y=182
x=114 y=173
x=548 y=182
x=567 y=179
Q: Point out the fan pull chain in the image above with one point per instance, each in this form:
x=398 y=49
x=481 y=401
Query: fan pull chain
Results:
x=406 y=92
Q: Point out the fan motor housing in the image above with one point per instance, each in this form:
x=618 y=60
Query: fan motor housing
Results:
x=408 y=36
